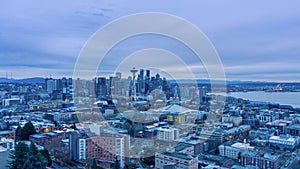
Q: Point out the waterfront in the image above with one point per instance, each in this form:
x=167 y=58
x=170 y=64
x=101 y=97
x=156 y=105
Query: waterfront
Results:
x=284 y=98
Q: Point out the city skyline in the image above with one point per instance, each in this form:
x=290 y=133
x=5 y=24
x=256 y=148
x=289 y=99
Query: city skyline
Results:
x=255 y=41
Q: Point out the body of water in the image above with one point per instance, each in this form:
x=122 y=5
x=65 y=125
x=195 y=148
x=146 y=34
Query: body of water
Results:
x=284 y=98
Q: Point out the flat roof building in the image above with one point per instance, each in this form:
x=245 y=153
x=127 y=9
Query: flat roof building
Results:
x=180 y=160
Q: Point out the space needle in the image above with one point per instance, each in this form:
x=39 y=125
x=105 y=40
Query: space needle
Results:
x=133 y=71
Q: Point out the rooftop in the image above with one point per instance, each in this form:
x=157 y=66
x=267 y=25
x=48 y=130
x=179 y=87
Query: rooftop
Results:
x=38 y=136
x=179 y=155
x=283 y=138
x=265 y=155
x=242 y=146
x=6 y=132
x=182 y=146
x=295 y=126
x=271 y=156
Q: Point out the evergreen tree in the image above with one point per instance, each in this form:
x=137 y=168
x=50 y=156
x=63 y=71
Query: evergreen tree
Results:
x=94 y=165
x=18 y=156
x=27 y=130
x=117 y=163
x=73 y=126
x=33 y=150
x=46 y=154
x=204 y=117
x=55 y=123
x=18 y=133
x=36 y=161
x=26 y=157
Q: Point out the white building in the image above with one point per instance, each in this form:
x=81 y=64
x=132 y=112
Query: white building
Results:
x=284 y=141
x=168 y=134
x=236 y=120
x=266 y=116
x=11 y=102
x=7 y=143
x=179 y=160
x=50 y=85
x=82 y=149
x=233 y=151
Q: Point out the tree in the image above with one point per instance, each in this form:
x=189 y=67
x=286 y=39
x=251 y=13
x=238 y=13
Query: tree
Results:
x=18 y=156
x=73 y=126
x=55 y=123
x=26 y=157
x=46 y=154
x=217 y=151
x=18 y=133
x=204 y=117
x=33 y=150
x=27 y=130
x=94 y=165
x=35 y=162
x=117 y=163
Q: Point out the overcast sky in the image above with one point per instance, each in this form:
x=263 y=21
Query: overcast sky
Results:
x=256 y=40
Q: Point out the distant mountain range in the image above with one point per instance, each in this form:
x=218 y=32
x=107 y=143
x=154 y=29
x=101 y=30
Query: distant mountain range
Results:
x=231 y=82
x=228 y=82
x=26 y=80
x=203 y=81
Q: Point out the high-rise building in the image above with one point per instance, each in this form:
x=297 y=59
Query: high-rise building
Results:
x=147 y=74
x=101 y=87
x=51 y=85
x=73 y=145
x=132 y=89
x=119 y=75
x=202 y=94
x=106 y=148
x=140 y=83
x=113 y=85
x=60 y=88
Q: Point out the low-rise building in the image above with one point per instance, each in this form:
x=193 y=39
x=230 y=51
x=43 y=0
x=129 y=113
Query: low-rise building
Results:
x=220 y=161
x=294 y=130
x=236 y=120
x=234 y=151
x=262 y=161
x=7 y=143
x=7 y=134
x=167 y=134
x=284 y=142
x=280 y=125
x=180 y=160
x=52 y=141
x=266 y=116
x=262 y=133
x=195 y=142
x=182 y=148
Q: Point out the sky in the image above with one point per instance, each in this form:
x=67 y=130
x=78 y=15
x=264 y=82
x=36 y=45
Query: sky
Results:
x=256 y=40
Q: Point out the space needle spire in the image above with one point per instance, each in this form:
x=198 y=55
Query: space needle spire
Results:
x=133 y=71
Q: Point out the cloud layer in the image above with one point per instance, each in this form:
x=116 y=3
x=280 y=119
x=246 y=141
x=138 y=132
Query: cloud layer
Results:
x=256 y=40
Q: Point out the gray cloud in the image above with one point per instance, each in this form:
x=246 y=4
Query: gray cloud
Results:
x=256 y=40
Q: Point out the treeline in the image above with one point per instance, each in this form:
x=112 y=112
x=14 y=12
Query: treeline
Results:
x=29 y=157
